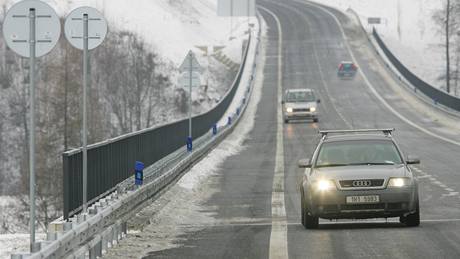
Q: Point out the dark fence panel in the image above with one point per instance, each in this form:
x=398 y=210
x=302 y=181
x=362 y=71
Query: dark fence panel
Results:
x=112 y=162
x=432 y=92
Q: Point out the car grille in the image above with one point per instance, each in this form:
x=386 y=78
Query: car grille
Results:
x=378 y=206
x=361 y=183
x=301 y=110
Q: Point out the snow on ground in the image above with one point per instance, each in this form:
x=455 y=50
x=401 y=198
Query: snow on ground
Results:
x=15 y=243
x=408 y=30
x=180 y=210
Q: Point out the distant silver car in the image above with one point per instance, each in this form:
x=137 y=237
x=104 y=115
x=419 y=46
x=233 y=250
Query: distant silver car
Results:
x=300 y=104
x=358 y=174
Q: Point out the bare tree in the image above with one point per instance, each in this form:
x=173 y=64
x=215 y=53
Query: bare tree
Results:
x=447 y=20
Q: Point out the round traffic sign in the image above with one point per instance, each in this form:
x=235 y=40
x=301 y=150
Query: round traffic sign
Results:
x=97 y=27
x=16 y=27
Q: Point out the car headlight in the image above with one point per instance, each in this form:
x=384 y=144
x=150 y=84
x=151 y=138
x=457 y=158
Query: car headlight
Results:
x=399 y=182
x=325 y=185
x=289 y=109
x=312 y=109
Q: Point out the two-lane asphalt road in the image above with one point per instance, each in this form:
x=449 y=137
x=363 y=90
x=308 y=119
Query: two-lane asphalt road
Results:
x=257 y=189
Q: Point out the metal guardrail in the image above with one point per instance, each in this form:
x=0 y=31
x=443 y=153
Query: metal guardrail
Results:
x=437 y=95
x=105 y=224
x=112 y=161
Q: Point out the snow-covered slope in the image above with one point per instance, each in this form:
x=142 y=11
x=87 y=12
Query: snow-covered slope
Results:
x=171 y=26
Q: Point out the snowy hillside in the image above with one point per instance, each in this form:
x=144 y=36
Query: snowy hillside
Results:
x=408 y=30
x=157 y=31
x=171 y=26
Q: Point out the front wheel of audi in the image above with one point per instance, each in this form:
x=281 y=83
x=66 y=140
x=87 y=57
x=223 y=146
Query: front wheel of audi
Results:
x=412 y=220
x=308 y=221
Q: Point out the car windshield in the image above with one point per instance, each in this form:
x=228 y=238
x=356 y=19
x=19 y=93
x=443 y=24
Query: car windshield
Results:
x=358 y=152
x=347 y=66
x=300 y=96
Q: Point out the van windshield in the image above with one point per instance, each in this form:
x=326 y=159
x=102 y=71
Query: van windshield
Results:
x=300 y=96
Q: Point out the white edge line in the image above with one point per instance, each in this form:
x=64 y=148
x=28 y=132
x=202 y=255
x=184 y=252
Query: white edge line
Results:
x=278 y=236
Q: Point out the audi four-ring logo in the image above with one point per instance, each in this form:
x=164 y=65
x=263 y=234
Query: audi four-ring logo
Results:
x=362 y=183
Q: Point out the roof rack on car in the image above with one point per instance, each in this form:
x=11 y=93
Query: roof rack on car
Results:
x=387 y=132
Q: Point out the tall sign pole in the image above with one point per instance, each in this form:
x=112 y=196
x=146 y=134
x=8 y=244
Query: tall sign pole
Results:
x=190 y=97
x=31 y=29
x=190 y=77
x=85 y=103
x=231 y=19
x=32 y=43
x=85 y=37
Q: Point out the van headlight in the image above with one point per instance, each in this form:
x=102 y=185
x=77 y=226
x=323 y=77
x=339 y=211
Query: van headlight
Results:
x=312 y=109
x=289 y=109
x=399 y=182
x=325 y=185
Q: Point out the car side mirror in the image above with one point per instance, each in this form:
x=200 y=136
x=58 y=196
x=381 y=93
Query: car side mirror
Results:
x=304 y=163
x=412 y=160
x=318 y=101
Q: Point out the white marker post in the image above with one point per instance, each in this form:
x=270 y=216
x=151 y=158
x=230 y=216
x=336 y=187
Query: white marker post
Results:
x=85 y=37
x=190 y=68
x=31 y=29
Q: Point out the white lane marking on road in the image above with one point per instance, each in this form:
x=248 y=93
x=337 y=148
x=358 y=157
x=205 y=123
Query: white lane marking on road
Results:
x=437 y=182
x=423 y=176
x=451 y=192
x=324 y=223
x=372 y=88
x=278 y=236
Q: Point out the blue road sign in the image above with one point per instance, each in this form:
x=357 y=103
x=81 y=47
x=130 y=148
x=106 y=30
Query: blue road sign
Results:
x=139 y=173
x=189 y=144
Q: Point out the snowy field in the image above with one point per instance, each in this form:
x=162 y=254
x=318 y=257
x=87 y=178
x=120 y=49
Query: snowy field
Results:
x=408 y=30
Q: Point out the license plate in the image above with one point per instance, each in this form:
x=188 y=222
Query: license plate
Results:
x=363 y=199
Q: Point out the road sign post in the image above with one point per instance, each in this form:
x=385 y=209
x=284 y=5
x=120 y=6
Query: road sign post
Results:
x=190 y=65
x=32 y=44
x=85 y=37
x=190 y=145
x=31 y=29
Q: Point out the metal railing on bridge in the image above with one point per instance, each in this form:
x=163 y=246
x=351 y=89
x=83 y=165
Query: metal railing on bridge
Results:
x=437 y=95
x=112 y=162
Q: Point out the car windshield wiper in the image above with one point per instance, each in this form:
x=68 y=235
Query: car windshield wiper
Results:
x=384 y=163
x=352 y=164
x=331 y=165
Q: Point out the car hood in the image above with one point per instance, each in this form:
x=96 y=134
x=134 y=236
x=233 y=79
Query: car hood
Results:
x=360 y=172
x=301 y=105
